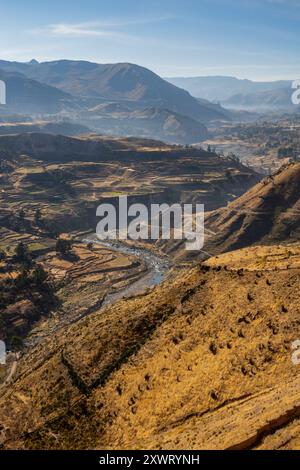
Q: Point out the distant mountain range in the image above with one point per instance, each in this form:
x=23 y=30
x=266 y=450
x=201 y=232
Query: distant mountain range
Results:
x=64 y=85
x=269 y=100
x=221 y=89
x=126 y=99
x=237 y=94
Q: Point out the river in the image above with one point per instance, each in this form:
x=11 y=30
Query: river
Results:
x=157 y=267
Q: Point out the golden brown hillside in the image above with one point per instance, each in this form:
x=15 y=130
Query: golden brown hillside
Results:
x=201 y=362
x=268 y=213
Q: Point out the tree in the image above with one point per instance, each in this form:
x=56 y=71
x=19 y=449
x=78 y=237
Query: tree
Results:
x=38 y=217
x=39 y=276
x=63 y=247
x=16 y=343
x=22 y=254
x=22 y=214
x=23 y=280
x=9 y=268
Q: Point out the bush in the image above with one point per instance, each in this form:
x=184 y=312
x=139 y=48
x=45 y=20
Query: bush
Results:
x=39 y=277
x=63 y=247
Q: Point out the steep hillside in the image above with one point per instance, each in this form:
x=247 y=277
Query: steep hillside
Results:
x=51 y=147
x=202 y=362
x=26 y=95
x=268 y=213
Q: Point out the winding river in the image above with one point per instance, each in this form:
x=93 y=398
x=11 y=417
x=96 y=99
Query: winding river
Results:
x=157 y=267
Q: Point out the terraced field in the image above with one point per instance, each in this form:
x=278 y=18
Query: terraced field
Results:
x=201 y=360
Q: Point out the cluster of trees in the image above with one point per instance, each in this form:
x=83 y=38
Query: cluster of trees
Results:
x=31 y=283
x=31 y=274
x=23 y=256
x=37 y=217
x=36 y=278
x=25 y=220
x=27 y=279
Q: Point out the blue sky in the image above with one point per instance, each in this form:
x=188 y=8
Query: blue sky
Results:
x=257 y=39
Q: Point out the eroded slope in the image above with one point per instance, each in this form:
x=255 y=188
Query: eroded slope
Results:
x=268 y=213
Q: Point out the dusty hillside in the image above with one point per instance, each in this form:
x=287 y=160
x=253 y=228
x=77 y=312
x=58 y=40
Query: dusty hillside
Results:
x=114 y=119
x=200 y=362
x=268 y=213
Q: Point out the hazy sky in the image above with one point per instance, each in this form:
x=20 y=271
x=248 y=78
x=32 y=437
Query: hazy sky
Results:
x=257 y=39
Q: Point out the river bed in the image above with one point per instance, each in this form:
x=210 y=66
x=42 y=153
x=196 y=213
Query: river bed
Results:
x=157 y=268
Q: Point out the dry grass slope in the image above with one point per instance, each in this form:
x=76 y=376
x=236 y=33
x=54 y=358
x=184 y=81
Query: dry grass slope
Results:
x=268 y=213
x=201 y=362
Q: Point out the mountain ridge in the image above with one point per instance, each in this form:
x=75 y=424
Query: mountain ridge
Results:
x=267 y=213
x=222 y=88
x=25 y=94
x=120 y=81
